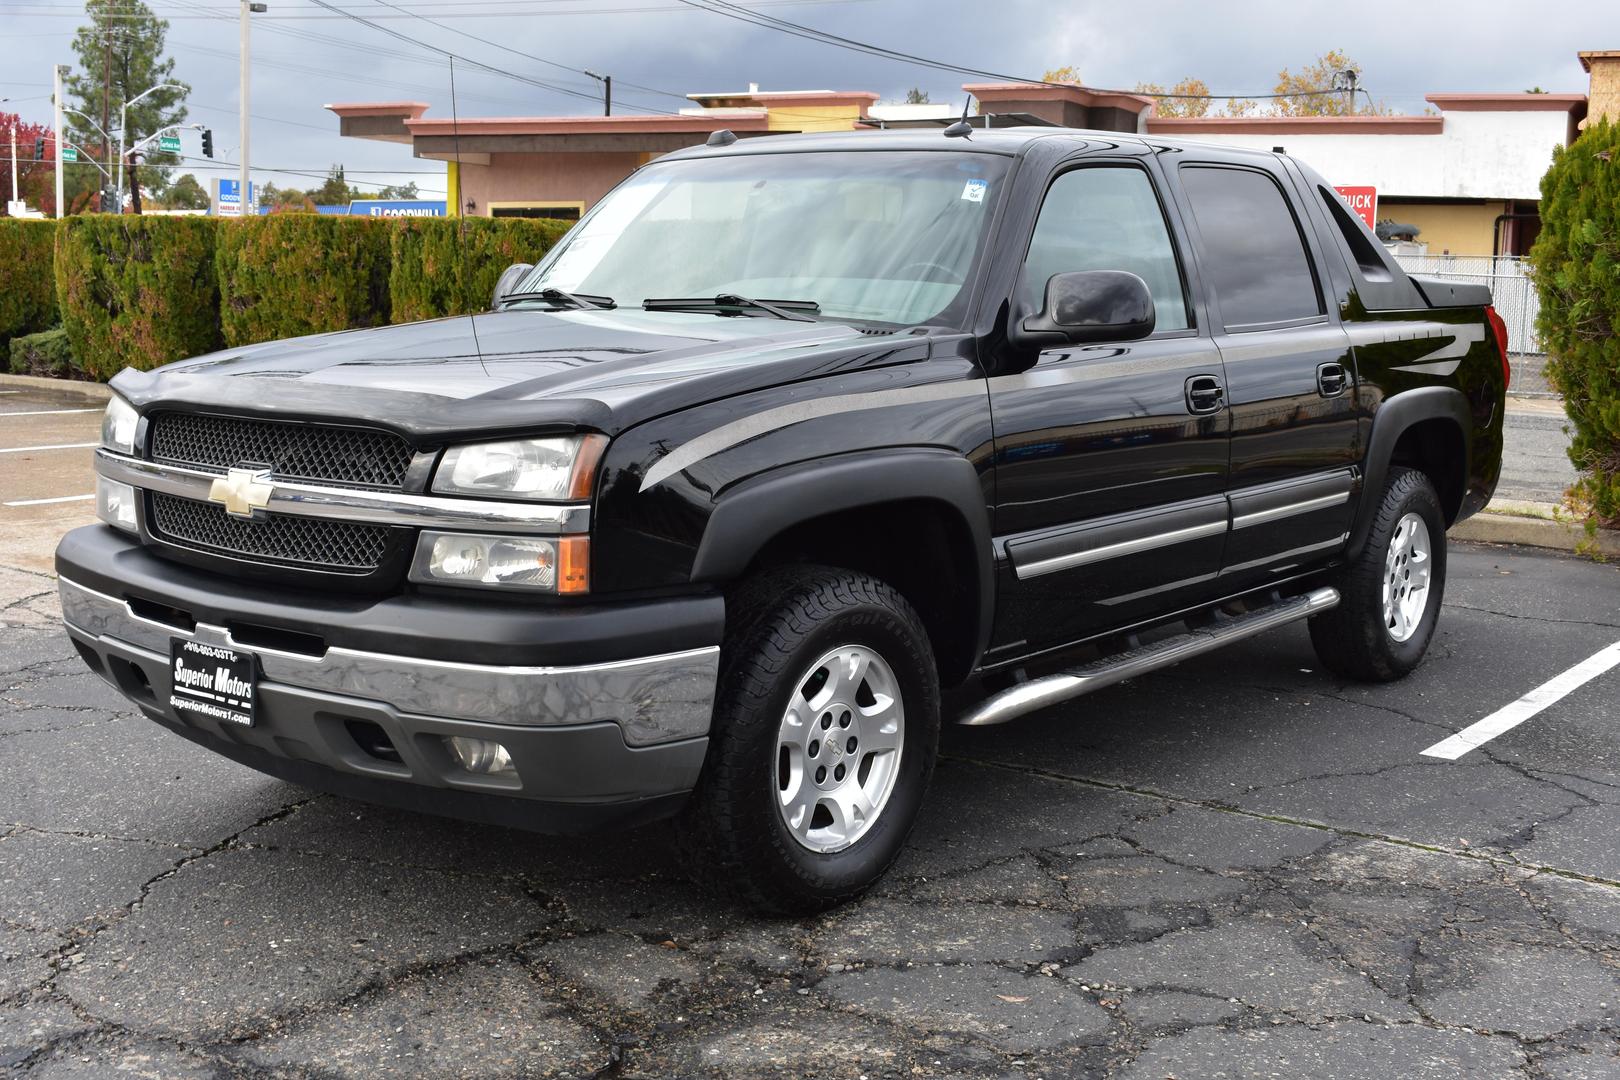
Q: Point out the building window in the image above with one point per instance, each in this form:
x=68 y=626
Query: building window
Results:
x=557 y=211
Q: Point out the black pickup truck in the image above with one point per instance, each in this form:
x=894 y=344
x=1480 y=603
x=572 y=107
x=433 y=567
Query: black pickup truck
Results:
x=786 y=437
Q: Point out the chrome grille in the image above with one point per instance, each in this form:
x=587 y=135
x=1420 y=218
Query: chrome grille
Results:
x=310 y=543
x=351 y=457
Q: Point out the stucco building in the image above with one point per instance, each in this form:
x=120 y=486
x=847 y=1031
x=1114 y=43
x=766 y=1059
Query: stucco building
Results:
x=1466 y=174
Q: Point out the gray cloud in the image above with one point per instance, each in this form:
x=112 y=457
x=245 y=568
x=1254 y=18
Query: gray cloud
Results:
x=1405 y=50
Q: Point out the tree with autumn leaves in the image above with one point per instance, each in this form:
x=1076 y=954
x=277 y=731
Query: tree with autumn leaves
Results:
x=1310 y=91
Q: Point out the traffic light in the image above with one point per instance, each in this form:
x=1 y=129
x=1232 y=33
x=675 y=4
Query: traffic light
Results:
x=208 y=142
x=39 y=148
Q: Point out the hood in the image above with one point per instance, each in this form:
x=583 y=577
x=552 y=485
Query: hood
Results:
x=519 y=370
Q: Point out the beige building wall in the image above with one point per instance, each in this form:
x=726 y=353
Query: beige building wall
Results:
x=536 y=179
x=1448 y=228
x=1603 y=96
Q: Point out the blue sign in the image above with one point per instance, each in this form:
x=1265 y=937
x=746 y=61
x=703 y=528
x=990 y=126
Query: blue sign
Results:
x=228 y=196
x=397 y=208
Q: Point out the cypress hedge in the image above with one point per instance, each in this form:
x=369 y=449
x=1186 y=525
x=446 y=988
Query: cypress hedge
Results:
x=136 y=291
x=27 y=283
x=46 y=353
x=1576 y=263
x=284 y=275
x=449 y=266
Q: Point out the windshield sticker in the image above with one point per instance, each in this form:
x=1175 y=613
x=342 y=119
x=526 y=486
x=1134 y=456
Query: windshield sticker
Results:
x=973 y=190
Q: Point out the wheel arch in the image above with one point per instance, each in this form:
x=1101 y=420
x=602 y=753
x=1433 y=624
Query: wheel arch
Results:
x=1429 y=429
x=915 y=517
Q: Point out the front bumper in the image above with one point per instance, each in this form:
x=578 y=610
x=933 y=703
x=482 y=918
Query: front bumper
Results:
x=593 y=742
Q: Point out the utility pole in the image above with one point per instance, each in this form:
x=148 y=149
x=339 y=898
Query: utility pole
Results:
x=607 y=91
x=56 y=131
x=106 y=109
x=14 y=162
x=248 y=7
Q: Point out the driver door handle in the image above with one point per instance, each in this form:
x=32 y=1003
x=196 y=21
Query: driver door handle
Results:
x=1205 y=394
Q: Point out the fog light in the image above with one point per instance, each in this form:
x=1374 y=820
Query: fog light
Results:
x=480 y=755
x=115 y=504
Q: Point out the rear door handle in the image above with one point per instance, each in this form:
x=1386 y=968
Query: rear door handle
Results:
x=1205 y=394
x=1331 y=379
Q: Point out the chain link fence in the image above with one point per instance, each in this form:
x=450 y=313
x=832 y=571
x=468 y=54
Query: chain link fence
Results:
x=1508 y=278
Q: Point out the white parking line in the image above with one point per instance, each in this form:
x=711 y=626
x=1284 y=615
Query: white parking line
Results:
x=10 y=391
x=43 y=502
x=49 y=412
x=1511 y=716
x=53 y=446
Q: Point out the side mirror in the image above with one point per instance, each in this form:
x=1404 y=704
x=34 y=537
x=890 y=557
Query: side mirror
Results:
x=508 y=281
x=1086 y=306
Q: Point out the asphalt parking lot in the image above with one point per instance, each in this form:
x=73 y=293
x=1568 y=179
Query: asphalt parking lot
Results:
x=1240 y=867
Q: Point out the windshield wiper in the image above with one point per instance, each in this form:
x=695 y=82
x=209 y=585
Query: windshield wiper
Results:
x=781 y=309
x=558 y=296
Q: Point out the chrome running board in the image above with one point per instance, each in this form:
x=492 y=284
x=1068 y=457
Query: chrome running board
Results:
x=1036 y=694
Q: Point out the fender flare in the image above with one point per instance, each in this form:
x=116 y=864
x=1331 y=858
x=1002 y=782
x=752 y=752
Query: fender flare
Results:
x=1392 y=420
x=750 y=515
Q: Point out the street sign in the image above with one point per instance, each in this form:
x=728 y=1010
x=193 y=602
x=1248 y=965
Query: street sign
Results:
x=228 y=197
x=69 y=154
x=397 y=208
x=169 y=144
x=1362 y=201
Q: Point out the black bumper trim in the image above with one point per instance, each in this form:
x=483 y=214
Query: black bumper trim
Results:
x=478 y=629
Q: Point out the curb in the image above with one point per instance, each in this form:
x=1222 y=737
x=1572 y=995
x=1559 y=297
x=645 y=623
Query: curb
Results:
x=1508 y=524
x=96 y=393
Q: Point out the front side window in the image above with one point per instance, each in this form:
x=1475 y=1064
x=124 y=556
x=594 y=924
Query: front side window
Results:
x=885 y=237
x=1251 y=250
x=1106 y=218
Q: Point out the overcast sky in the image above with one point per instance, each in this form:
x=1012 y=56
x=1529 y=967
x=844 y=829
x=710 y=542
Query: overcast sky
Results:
x=306 y=56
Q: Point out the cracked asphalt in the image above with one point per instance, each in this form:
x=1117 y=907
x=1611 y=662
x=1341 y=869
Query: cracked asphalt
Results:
x=1237 y=868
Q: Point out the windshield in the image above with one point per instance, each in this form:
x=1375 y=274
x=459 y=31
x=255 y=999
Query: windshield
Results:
x=877 y=236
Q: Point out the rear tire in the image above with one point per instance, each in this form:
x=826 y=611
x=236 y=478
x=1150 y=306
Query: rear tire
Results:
x=825 y=730
x=1391 y=592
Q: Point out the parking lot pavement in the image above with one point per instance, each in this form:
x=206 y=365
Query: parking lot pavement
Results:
x=1535 y=458
x=1241 y=867
x=47 y=483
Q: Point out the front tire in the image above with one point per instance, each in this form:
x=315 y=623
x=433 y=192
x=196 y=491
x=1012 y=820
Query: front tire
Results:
x=825 y=731
x=1391 y=593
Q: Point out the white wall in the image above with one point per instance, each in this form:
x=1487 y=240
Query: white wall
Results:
x=1478 y=155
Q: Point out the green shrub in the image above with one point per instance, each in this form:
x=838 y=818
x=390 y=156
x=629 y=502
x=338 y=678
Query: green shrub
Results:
x=1577 y=273
x=449 y=266
x=136 y=291
x=283 y=275
x=27 y=284
x=46 y=353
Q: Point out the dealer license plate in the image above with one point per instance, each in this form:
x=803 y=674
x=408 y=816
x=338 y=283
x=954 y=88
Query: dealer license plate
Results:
x=212 y=682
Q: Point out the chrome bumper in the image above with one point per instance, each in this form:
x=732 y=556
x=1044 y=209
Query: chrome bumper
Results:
x=653 y=699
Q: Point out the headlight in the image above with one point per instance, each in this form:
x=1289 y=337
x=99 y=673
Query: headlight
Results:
x=557 y=564
x=115 y=504
x=544 y=470
x=118 y=426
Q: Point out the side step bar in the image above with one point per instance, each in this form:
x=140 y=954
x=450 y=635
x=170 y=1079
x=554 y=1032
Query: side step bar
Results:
x=1051 y=689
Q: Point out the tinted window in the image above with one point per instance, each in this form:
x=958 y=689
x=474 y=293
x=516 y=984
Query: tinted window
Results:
x=1252 y=253
x=1106 y=219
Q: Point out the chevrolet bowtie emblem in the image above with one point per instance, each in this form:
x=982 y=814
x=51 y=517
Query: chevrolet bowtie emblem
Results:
x=242 y=491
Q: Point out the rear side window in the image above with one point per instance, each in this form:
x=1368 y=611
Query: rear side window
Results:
x=1106 y=218
x=1252 y=252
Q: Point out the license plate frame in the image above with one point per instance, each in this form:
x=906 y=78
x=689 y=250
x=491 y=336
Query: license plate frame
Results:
x=212 y=682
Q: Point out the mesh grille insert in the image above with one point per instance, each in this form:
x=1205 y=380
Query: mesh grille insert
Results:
x=313 y=543
x=352 y=457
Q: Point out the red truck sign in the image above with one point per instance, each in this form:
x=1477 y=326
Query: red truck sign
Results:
x=1362 y=201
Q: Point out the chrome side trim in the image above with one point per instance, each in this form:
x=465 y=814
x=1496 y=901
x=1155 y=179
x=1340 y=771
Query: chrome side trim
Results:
x=1118 y=550
x=358 y=505
x=653 y=699
x=1052 y=689
x=1260 y=517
